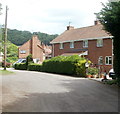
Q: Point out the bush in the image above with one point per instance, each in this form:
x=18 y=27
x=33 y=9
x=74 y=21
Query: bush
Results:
x=92 y=71
x=29 y=60
x=110 y=82
x=72 y=65
x=8 y=65
x=20 y=66
x=35 y=67
x=12 y=59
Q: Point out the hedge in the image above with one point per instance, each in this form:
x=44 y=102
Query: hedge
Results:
x=35 y=67
x=71 y=65
x=20 y=66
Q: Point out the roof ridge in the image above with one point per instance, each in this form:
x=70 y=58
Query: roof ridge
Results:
x=87 y=26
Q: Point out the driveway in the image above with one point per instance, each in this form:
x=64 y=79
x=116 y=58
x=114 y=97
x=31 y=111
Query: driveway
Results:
x=28 y=91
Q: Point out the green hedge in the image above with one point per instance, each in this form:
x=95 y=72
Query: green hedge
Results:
x=71 y=65
x=35 y=67
x=20 y=66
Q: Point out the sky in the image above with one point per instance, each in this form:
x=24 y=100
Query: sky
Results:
x=50 y=16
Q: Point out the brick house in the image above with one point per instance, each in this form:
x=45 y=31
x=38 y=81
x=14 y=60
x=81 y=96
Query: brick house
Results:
x=91 y=42
x=38 y=50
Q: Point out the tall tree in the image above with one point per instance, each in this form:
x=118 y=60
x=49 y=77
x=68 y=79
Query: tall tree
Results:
x=110 y=18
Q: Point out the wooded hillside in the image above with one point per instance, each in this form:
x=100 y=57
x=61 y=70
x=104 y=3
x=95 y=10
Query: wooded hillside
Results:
x=20 y=37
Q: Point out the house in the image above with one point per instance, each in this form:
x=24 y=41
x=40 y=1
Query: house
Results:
x=92 y=42
x=38 y=50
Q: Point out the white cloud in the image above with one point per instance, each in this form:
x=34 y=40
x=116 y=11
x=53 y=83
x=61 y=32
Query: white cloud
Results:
x=50 y=16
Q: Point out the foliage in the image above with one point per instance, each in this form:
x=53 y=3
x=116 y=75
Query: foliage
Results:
x=12 y=59
x=20 y=66
x=110 y=18
x=35 y=67
x=29 y=60
x=110 y=82
x=92 y=71
x=24 y=66
x=73 y=65
x=18 y=37
x=8 y=65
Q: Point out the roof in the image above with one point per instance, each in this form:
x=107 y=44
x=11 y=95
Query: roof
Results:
x=90 y=32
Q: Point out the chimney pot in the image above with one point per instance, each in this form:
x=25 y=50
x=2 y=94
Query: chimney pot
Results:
x=70 y=27
x=97 y=22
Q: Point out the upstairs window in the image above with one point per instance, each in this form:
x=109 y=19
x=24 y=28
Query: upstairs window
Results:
x=99 y=42
x=108 y=60
x=71 y=44
x=85 y=43
x=22 y=51
x=61 y=45
x=100 y=60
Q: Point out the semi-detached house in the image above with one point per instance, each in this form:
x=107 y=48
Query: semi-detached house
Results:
x=34 y=46
x=92 y=42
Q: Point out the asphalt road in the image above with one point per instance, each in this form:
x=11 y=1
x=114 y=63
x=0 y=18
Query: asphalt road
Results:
x=26 y=91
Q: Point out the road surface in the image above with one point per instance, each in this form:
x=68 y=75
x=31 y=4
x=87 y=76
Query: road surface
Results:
x=27 y=91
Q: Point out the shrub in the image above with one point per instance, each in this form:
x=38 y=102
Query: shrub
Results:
x=8 y=65
x=29 y=60
x=110 y=82
x=35 y=67
x=73 y=65
x=92 y=71
x=20 y=66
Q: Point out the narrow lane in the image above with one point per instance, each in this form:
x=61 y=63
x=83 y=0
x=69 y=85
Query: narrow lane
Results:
x=26 y=91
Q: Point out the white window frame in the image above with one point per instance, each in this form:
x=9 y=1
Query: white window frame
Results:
x=71 y=44
x=99 y=42
x=108 y=60
x=85 y=43
x=22 y=51
x=100 y=59
x=61 y=46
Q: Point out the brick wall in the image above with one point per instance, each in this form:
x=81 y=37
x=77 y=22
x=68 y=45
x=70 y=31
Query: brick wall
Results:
x=94 y=52
x=25 y=47
x=30 y=47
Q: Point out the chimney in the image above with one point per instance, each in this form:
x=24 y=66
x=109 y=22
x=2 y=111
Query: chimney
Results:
x=97 y=22
x=70 y=27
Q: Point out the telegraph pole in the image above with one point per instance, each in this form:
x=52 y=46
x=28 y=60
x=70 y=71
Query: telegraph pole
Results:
x=5 y=40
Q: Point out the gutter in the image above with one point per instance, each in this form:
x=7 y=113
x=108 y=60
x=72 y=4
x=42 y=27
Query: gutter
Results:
x=82 y=39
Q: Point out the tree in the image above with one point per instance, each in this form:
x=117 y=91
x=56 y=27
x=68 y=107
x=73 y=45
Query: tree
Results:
x=110 y=18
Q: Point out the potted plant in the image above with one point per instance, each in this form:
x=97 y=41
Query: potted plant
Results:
x=92 y=72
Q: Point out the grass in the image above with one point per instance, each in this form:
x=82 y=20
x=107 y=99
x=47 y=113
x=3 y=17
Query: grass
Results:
x=5 y=72
x=110 y=82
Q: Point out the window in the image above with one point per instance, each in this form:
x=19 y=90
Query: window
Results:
x=61 y=45
x=99 y=42
x=71 y=44
x=100 y=60
x=22 y=51
x=85 y=43
x=108 y=60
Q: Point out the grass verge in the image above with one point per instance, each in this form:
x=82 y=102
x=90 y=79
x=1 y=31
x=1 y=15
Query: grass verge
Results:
x=5 y=72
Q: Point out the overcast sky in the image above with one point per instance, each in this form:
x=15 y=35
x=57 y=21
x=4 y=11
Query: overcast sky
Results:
x=50 y=16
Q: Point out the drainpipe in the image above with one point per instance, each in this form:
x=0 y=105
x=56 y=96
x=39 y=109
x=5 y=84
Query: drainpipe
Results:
x=52 y=50
x=112 y=52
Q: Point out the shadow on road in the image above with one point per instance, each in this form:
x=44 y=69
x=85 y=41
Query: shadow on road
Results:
x=83 y=96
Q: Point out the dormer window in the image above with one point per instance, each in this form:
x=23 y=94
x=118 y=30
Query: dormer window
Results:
x=71 y=44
